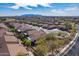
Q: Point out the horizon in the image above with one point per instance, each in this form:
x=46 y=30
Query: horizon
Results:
x=50 y=9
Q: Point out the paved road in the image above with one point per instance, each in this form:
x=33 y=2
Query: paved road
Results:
x=74 y=51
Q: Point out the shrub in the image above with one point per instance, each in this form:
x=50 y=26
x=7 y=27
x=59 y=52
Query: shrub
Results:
x=26 y=42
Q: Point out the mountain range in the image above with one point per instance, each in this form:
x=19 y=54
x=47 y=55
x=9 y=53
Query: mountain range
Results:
x=31 y=15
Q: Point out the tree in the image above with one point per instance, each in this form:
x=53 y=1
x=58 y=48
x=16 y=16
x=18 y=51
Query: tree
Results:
x=12 y=28
x=74 y=29
x=67 y=25
x=42 y=47
x=50 y=36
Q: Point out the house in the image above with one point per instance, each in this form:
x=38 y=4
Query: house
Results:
x=10 y=20
x=50 y=27
x=3 y=46
x=34 y=34
x=45 y=26
x=62 y=27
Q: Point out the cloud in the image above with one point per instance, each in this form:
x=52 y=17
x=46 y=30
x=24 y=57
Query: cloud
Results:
x=58 y=11
x=14 y=7
x=72 y=9
x=33 y=3
x=69 y=11
x=18 y=6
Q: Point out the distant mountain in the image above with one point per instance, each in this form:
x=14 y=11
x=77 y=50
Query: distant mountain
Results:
x=31 y=15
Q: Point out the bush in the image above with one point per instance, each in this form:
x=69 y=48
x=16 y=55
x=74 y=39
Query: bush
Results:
x=21 y=36
x=12 y=28
x=59 y=43
x=26 y=42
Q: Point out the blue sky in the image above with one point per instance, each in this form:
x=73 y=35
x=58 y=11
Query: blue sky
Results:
x=48 y=9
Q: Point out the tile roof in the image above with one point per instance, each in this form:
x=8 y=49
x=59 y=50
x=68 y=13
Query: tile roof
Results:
x=3 y=46
x=34 y=34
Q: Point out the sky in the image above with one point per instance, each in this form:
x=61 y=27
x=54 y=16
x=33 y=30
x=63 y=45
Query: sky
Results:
x=39 y=7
